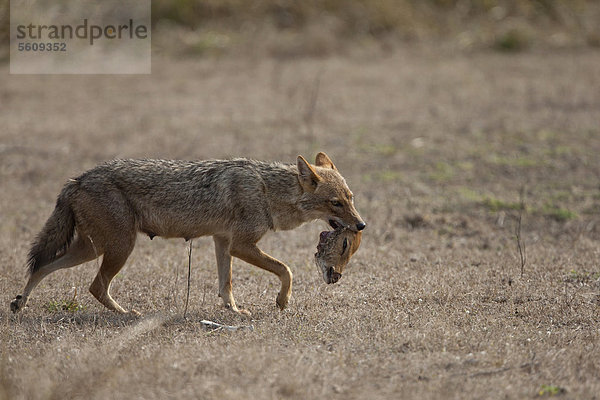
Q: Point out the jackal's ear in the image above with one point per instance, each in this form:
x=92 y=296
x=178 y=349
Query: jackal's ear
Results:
x=307 y=176
x=323 y=161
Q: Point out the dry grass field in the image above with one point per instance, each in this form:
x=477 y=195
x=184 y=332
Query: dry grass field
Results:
x=436 y=146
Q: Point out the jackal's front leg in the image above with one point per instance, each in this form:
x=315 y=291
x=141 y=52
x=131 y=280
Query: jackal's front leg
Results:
x=253 y=255
x=222 y=246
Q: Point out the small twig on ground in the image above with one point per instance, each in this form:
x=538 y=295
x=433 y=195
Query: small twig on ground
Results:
x=215 y=326
x=187 y=297
x=520 y=242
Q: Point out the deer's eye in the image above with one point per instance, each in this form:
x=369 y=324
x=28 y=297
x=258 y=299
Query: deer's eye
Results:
x=344 y=245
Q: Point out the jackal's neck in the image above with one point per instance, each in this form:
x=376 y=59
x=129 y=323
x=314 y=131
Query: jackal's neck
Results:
x=283 y=193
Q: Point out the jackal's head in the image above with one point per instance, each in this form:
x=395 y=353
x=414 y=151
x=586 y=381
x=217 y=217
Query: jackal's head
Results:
x=326 y=195
x=334 y=251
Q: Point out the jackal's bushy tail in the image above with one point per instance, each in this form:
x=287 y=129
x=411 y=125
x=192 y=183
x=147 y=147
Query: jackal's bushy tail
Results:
x=57 y=233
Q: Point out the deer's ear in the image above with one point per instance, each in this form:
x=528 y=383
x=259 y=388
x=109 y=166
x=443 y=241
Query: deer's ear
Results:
x=322 y=160
x=307 y=176
x=356 y=242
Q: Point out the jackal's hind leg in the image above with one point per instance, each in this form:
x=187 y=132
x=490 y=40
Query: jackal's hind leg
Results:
x=80 y=251
x=113 y=261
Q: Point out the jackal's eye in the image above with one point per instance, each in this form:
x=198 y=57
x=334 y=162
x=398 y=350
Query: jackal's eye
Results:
x=344 y=245
x=336 y=203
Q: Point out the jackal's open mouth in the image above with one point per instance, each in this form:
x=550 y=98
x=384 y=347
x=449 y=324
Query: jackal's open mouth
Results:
x=334 y=224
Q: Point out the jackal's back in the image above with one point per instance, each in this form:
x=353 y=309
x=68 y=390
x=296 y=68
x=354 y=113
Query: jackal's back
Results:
x=175 y=198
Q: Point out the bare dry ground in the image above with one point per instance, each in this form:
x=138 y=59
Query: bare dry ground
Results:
x=436 y=146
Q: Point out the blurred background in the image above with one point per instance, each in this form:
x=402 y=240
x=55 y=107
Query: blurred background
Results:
x=317 y=28
x=286 y=28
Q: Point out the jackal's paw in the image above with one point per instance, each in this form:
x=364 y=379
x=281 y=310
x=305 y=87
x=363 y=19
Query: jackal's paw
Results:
x=17 y=304
x=240 y=311
x=244 y=313
x=282 y=300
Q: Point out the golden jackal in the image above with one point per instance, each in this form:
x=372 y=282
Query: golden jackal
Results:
x=236 y=201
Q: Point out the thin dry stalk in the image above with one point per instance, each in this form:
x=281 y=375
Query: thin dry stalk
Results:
x=312 y=105
x=204 y=294
x=174 y=294
x=520 y=243
x=187 y=297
